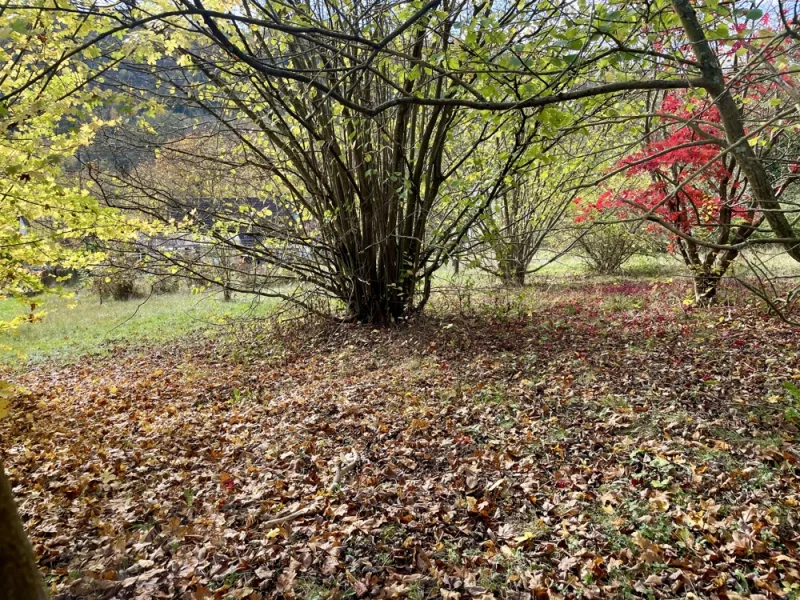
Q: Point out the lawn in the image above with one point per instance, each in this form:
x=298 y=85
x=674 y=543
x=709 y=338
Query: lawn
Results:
x=67 y=328
x=580 y=439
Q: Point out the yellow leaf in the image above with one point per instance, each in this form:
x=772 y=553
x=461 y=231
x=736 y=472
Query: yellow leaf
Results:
x=6 y=392
x=659 y=503
x=6 y=389
x=528 y=535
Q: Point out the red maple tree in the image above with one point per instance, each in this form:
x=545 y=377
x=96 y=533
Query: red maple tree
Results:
x=681 y=181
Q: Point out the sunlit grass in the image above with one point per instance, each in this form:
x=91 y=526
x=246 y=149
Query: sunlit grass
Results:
x=71 y=327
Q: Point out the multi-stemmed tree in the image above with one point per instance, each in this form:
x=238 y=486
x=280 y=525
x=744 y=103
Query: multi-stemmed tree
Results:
x=517 y=224
x=378 y=201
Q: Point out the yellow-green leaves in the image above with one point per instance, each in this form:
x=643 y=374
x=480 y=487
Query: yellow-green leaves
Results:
x=46 y=119
x=6 y=393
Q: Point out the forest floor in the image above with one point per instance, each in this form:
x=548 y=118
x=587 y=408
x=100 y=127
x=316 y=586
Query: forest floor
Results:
x=579 y=441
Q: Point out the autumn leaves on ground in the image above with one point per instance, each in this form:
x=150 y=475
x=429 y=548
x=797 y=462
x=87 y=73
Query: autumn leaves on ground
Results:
x=598 y=441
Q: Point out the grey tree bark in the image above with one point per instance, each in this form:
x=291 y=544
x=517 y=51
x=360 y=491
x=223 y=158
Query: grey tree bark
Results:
x=19 y=574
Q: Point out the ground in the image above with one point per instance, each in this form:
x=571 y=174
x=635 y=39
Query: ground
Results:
x=575 y=440
x=79 y=323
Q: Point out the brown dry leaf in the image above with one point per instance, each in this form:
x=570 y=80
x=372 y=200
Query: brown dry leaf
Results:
x=165 y=484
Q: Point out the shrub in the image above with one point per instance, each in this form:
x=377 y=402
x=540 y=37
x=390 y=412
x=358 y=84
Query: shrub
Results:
x=165 y=285
x=119 y=285
x=605 y=248
x=51 y=276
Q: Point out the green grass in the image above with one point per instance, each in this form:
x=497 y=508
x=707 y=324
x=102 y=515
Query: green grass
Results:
x=71 y=327
x=773 y=261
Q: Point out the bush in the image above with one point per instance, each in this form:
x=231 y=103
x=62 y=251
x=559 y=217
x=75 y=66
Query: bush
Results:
x=605 y=248
x=165 y=285
x=119 y=285
x=60 y=276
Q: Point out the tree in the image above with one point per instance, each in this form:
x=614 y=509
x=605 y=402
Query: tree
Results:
x=378 y=202
x=18 y=570
x=516 y=225
x=694 y=179
x=714 y=207
x=731 y=118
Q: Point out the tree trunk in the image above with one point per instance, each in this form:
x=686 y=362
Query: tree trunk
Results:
x=378 y=304
x=512 y=272
x=19 y=574
x=705 y=289
x=519 y=275
x=509 y=269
